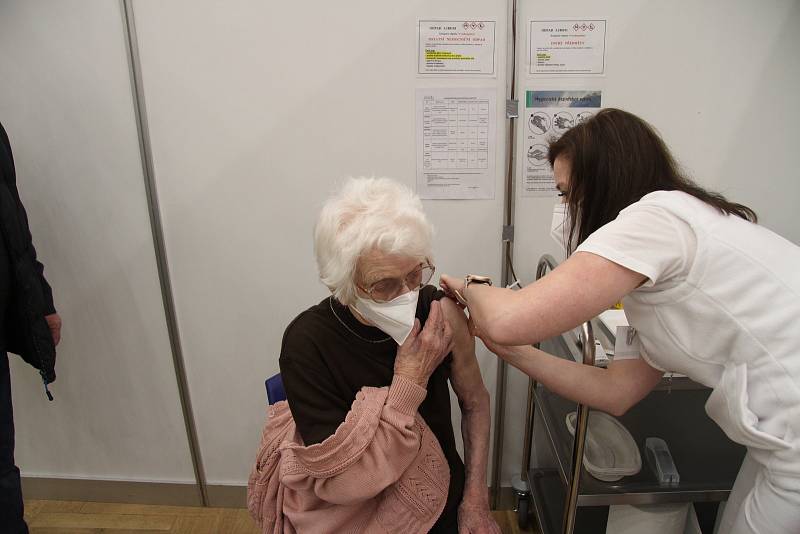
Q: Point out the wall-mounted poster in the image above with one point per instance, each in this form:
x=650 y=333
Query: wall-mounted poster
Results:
x=456 y=143
x=548 y=114
x=456 y=47
x=559 y=47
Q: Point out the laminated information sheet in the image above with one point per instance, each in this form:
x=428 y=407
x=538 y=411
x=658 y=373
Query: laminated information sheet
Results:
x=456 y=143
x=559 y=47
x=548 y=114
x=456 y=47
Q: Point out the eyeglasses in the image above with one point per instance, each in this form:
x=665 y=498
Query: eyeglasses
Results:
x=389 y=288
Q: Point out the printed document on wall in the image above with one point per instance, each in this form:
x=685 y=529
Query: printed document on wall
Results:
x=559 y=47
x=548 y=114
x=456 y=143
x=456 y=47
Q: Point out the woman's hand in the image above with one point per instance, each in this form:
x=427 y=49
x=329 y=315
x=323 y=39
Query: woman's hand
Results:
x=476 y=519
x=453 y=288
x=452 y=285
x=503 y=351
x=422 y=352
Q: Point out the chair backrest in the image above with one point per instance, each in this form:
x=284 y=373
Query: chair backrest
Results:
x=275 y=391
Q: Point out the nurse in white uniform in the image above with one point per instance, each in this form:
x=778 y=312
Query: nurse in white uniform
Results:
x=710 y=294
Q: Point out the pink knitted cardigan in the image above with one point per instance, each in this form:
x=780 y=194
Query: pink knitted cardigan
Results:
x=383 y=470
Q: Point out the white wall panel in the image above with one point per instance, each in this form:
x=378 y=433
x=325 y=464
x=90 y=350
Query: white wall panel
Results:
x=65 y=101
x=257 y=110
x=718 y=79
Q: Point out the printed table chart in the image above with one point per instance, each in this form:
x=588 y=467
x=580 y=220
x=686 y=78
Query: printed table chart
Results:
x=455 y=133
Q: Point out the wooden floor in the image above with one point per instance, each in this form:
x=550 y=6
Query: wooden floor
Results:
x=70 y=517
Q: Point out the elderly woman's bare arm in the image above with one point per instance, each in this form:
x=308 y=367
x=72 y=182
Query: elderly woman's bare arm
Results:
x=473 y=398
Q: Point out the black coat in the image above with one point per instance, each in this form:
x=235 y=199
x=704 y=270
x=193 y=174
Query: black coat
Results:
x=30 y=297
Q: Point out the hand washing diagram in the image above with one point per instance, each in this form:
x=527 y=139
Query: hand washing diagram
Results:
x=549 y=114
x=583 y=116
x=563 y=121
x=537 y=155
x=539 y=123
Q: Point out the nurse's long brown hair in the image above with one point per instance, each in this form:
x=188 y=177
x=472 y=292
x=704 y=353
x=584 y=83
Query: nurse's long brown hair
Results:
x=616 y=159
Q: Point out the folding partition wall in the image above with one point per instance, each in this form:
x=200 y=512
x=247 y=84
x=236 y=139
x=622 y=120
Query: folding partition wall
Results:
x=250 y=114
x=67 y=105
x=172 y=175
x=256 y=112
x=717 y=79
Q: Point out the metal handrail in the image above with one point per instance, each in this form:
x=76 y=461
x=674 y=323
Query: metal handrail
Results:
x=546 y=262
x=581 y=425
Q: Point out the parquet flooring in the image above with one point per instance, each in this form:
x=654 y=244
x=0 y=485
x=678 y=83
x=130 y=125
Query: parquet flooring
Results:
x=72 y=517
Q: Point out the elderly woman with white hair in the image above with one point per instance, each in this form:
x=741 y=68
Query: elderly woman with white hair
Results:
x=366 y=442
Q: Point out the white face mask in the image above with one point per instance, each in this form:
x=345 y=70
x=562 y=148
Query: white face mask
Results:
x=395 y=317
x=559 y=229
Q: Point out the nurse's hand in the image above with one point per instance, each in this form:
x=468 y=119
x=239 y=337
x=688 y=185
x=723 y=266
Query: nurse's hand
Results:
x=503 y=351
x=450 y=285
x=423 y=351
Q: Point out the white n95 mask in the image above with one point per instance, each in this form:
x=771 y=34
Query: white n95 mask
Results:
x=395 y=317
x=559 y=229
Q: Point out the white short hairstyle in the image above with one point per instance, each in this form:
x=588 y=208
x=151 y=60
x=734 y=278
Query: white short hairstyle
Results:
x=367 y=214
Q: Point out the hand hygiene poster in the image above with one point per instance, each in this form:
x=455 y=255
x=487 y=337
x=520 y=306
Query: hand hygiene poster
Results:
x=548 y=114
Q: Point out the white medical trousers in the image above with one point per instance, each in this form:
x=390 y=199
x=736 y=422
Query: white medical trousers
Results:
x=762 y=502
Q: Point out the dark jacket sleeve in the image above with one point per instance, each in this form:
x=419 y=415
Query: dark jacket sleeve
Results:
x=9 y=175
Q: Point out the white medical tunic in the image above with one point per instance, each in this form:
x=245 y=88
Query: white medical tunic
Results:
x=721 y=304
